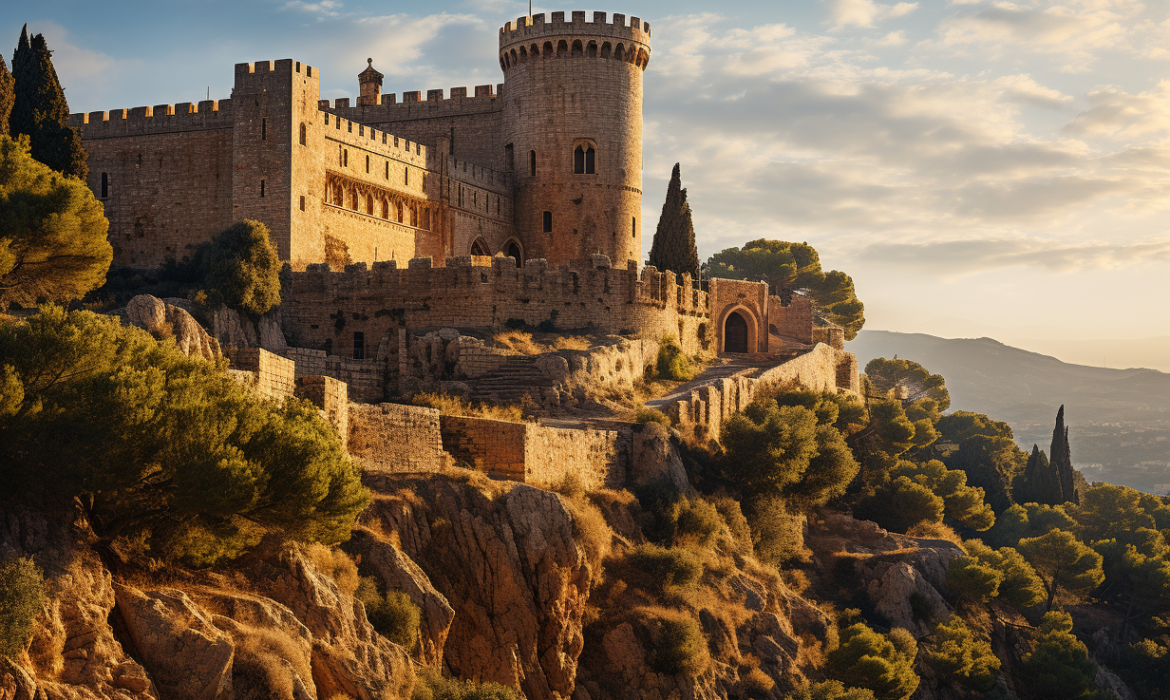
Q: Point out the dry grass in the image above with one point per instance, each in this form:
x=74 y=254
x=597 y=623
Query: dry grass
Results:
x=266 y=660
x=525 y=343
x=459 y=406
x=935 y=531
x=589 y=525
x=336 y=564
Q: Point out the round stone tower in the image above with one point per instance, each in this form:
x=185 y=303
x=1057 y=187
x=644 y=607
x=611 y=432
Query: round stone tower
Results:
x=573 y=134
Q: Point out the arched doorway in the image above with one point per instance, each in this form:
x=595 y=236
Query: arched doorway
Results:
x=512 y=250
x=735 y=333
x=479 y=247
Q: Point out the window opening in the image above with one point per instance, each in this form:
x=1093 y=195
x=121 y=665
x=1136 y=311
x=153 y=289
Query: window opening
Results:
x=105 y=185
x=548 y=222
x=532 y=163
x=367 y=165
x=302 y=202
x=634 y=227
x=359 y=345
x=263 y=129
x=303 y=134
x=509 y=150
x=261 y=188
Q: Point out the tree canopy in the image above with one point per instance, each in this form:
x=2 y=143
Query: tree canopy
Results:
x=674 y=241
x=53 y=242
x=906 y=381
x=241 y=268
x=794 y=266
x=40 y=111
x=1059 y=667
x=7 y=95
x=881 y=663
x=1062 y=562
x=162 y=447
x=958 y=655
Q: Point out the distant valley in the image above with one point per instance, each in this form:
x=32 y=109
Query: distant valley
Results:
x=1119 y=418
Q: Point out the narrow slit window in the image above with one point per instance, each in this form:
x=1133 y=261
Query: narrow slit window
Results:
x=105 y=185
x=532 y=163
x=548 y=222
x=263 y=129
x=590 y=161
x=387 y=175
x=634 y=227
x=304 y=134
x=302 y=202
x=406 y=176
x=367 y=164
x=579 y=160
x=359 y=345
x=345 y=158
x=261 y=188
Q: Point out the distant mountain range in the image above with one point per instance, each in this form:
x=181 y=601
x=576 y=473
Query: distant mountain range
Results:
x=1119 y=418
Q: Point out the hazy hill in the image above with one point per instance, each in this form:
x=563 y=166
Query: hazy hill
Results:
x=1119 y=418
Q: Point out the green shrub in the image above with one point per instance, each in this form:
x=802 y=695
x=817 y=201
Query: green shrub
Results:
x=1059 y=667
x=431 y=685
x=960 y=657
x=241 y=268
x=394 y=615
x=22 y=592
x=777 y=535
x=673 y=363
x=165 y=446
x=678 y=644
x=882 y=663
x=732 y=514
x=662 y=569
x=901 y=504
x=972 y=580
x=649 y=415
x=830 y=690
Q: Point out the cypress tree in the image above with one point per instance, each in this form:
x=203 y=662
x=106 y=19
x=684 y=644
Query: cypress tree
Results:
x=1040 y=482
x=1062 y=459
x=674 y=241
x=7 y=95
x=40 y=111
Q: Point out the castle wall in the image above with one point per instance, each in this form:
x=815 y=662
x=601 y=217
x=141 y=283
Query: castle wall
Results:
x=365 y=378
x=168 y=172
x=471 y=122
x=792 y=322
x=267 y=374
x=377 y=302
x=332 y=397
x=750 y=300
x=395 y=438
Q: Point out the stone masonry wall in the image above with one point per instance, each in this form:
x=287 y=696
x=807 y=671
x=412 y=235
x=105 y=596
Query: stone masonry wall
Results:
x=332 y=397
x=270 y=375
x=395 y=438
x=494 y=447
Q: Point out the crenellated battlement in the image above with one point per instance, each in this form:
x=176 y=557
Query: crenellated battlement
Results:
x=532 y=39
x=419 y=105
x=359 y=135
x=159 y=119
x=284 y=65
x=525 y=28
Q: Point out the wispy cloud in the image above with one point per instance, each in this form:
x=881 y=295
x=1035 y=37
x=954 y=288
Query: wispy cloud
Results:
x=960 y=257
x=325 y=8
x=865 y=13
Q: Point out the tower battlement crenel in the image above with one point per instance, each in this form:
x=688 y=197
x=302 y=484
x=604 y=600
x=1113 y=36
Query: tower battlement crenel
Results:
x=535 y=26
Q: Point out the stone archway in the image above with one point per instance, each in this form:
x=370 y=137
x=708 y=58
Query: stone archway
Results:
x=479 y=248
x=735 y=333
x=512 y=250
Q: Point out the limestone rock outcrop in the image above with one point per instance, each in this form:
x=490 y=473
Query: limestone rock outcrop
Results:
x=398 y=572
x=506 y=558
x=654 y=458
x=162 y=320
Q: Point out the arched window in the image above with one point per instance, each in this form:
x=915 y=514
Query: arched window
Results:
x=578 y=50
x=385 y=209
x=591 y=50
x=370 y=204
x=584 y=159
x=562 y=48
x=619 y=53
x=304 y=132
x=547 y=49
x=479 y=247
x=605 y=50
x=414 y=216
x=400 y=212
x=105 y=185
x=512 y=250
x=532 y=163
x=523 y=55
x=359 y=345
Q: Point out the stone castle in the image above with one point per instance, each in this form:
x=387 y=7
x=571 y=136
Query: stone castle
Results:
x=410 y=227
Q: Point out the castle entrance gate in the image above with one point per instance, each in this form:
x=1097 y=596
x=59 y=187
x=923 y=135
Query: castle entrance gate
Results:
x=735 y=333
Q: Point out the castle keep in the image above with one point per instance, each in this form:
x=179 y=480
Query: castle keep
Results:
x=546 y=165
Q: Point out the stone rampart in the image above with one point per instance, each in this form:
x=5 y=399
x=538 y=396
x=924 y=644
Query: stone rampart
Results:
x=323 y=308
x=332 y=397
x=365 y=378
x=395 y=438
x=538 y=454
x=268 y=374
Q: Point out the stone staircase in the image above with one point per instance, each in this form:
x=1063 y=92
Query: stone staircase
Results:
x=510 y=383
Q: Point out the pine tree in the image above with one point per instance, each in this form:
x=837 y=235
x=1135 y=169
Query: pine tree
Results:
x=1062 y=459
x=1040 y=482
x=7 y=95
x=40 y=111
x=674 y=241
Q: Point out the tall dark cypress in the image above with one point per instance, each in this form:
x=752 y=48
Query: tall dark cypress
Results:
x=7 y=95
x=674 y=242
x=1040 y=482
x=40 y=111
x=1062 y=459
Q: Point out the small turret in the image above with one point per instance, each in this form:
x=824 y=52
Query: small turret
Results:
x=369 y=85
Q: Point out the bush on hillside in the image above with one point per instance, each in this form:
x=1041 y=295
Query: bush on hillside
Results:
x=22 y=591
x=661 y=569
x=164 y=447
x=1059 y=667
x=972 y=580
x=901 y=504
x=677 y=642
x=431 y=685
x=829 y=690
x=882 y=663
x=393 y=614
x=958 y=656
x=649 y=415
x=777 y=535
x=673 y=363
x=241 y=269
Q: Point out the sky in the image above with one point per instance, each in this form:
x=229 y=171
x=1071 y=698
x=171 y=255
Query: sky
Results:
x=978 y=167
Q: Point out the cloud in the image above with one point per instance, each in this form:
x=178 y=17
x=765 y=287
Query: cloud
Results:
x=1121 y=115
x=968 y=256
x=325 y=8
x=865 y=13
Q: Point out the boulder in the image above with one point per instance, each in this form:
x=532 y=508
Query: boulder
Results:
x=654 y=457
x=163 y=320
x=398 y=572
x=187 y=655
